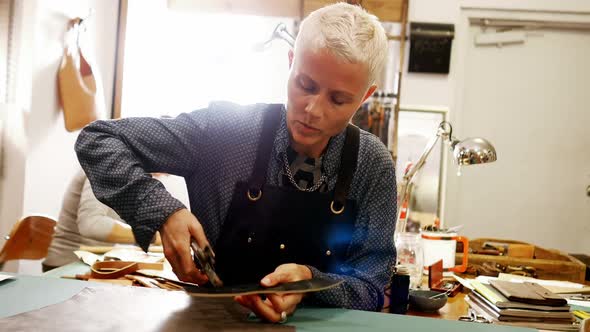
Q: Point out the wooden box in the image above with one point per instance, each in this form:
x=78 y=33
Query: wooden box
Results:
x=549 y=263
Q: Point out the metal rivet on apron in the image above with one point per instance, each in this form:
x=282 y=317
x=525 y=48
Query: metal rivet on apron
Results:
x=282 y=246
x=254 y=198
x=328 y=252
x=332 y=207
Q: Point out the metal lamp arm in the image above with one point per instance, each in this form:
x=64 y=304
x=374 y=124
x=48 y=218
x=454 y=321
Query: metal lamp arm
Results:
x=443 y=133
x=282 y=33
x=420 y=163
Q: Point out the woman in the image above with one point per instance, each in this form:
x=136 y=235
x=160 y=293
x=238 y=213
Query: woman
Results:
x=281 y=194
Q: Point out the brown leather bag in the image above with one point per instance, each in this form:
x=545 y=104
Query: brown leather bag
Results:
x=77 y=84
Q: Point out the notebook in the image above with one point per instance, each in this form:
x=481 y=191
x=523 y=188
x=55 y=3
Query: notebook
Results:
x=528 y=292
x=486 y=312
x=497 y=299
x=520 y=314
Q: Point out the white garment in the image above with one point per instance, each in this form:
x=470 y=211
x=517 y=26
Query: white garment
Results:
x=83 y=220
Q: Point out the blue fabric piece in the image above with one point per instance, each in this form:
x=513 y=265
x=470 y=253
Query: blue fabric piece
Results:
x=212 y=149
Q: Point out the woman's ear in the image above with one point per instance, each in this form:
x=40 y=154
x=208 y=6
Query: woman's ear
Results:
x=369 y=92
x=291 y=55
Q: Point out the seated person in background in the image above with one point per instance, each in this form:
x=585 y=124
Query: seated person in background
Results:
x=83 y=220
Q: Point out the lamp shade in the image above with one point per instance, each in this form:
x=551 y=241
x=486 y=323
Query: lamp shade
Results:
x=471 y=151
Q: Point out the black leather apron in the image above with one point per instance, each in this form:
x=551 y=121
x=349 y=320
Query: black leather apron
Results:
x=268 y=225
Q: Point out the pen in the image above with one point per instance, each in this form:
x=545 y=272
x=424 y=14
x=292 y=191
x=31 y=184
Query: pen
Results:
x=581 y=314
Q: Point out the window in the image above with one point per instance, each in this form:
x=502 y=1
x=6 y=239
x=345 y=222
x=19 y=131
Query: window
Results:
x=180 y=61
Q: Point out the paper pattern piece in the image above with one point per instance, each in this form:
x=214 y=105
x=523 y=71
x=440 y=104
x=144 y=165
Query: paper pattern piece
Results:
x=87 y=257
x=555 y=286
x=5 y=277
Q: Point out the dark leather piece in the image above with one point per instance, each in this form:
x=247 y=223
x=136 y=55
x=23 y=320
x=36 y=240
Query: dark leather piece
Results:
x=138 y=309
x=303 y=286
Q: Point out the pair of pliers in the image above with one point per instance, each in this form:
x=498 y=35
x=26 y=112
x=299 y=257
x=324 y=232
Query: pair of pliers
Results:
x=205 y=261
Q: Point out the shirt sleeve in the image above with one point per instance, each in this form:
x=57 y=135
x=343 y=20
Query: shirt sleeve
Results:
x=372 y=252
x=117 y=156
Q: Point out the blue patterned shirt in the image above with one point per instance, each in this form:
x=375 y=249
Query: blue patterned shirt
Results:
x=213 y=149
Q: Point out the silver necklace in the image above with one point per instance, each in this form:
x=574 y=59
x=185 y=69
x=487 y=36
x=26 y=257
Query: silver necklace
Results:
x=292 y=180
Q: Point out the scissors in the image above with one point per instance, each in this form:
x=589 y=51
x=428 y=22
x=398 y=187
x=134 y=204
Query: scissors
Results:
x=473 y=317
x=205 y=261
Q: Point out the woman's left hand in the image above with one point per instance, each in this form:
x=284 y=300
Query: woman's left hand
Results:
x=276 y=307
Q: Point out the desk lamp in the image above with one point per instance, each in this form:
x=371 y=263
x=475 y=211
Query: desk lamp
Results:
x=470 y=151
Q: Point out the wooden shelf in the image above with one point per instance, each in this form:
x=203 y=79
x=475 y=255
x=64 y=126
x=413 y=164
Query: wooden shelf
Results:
x=385 y=10
x=283 y=8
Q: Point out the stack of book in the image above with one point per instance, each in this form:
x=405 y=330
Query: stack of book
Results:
x=521 y=304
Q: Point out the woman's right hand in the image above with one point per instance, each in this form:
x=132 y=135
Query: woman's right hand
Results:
x=176 y=234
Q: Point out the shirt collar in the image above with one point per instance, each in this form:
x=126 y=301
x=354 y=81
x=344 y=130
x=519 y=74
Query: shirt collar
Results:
x=331 y=159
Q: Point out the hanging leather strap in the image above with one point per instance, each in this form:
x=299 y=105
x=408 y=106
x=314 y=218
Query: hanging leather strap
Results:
x=77 y=84
x=270 y=124
x=348 y=161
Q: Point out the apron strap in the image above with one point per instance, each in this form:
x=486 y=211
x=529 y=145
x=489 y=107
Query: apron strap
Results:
x=348 y=161
x=271 y=120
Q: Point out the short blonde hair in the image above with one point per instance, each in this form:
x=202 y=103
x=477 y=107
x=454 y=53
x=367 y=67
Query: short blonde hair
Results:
x=347 y=31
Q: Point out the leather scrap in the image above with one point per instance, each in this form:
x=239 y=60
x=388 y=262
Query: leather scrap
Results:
x=119 y=269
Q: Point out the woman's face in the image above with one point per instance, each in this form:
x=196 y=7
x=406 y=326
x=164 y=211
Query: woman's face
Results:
x=324 y=92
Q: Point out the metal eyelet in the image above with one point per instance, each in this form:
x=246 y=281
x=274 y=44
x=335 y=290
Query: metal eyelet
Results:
x=255 y=198
x=334 y=210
